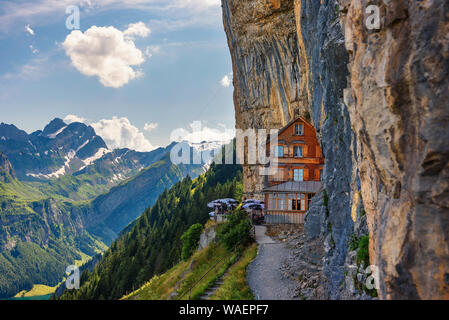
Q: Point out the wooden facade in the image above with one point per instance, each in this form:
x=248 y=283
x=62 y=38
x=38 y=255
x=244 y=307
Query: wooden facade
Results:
x=300 y=165
x=297 y=150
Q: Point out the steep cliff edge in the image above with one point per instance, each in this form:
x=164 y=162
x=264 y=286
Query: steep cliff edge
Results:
x=398 y=102
x=266 y=67
x=377 y=100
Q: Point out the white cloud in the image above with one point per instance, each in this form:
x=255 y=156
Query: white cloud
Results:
x=33 y=49
x=42 y=12
x=74 y=118
x=29 y=30
x=116 y=132
x=199 y=5
x=198 y=133
x=120 y=133
x=150 y=126
x=138 y=29
x=150 y=50
x=106 y=53
x=226 y=81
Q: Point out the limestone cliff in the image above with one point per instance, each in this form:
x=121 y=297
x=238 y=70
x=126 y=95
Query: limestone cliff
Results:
x=398 y=102
x=267 y=69
x=378 y=101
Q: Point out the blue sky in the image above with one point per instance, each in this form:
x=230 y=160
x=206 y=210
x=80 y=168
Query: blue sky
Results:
x=164 y=71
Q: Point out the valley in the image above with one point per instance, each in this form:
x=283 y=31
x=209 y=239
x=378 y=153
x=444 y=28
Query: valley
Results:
x=152 y=245
x=50 y=223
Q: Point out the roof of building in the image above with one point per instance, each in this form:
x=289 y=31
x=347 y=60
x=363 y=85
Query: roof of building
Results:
x=296 y=186
x=290 y=123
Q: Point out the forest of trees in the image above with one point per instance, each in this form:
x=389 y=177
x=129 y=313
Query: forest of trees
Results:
x=153 y=244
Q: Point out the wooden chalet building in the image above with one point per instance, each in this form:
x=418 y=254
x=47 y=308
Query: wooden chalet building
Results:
x=300 y=167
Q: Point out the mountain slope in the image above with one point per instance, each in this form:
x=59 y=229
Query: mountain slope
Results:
x=57 y=150
x=153 y=245
x=6 y=170
x=124 y=203
x=57 y=220
x=38 y=236
x=41 y=234
x=100 y=176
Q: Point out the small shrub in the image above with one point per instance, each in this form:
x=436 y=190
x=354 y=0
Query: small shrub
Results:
x=190 y=240
x=236 y=230
x=363 y=252
x=353 y=242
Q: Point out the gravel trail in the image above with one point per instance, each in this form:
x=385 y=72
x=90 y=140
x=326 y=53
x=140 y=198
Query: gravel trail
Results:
x=264 y=274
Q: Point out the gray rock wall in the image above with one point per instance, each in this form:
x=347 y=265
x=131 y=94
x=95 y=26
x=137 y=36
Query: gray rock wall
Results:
x=289 y=59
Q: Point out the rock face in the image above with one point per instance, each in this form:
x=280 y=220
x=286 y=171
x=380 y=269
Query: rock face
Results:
x=207 y=237
x=6 y=170
x=57 y=150
x=290 y=48
x=266 y=66
x=398 y=102
x=378 y=101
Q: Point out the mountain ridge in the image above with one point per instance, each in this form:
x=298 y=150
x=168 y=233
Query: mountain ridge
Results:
x=64 y=220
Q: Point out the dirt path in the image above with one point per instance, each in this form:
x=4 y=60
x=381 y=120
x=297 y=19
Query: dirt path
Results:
x=264 y=275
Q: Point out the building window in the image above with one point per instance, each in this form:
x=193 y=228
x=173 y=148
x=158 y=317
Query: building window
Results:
x=298 y=152
x=281 y=203
x=298 y=174
x=279 y=152
x=296 y=202
x=271 y=202
x=276 y=201
x=299 y=129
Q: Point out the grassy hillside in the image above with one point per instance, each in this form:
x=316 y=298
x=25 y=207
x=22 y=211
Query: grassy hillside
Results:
x=175 y=283
x=153 y=244
x=37 y=290
x=234 y=285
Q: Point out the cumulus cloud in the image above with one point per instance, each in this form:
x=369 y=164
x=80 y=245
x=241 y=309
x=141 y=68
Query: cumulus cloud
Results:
x=120 y=133
x=198 y=133
x=150 y=126
x=74 y=118
x=104 y=52
x=117 y=133
x=138 y=29
x=29 y=30
x=226 y=81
